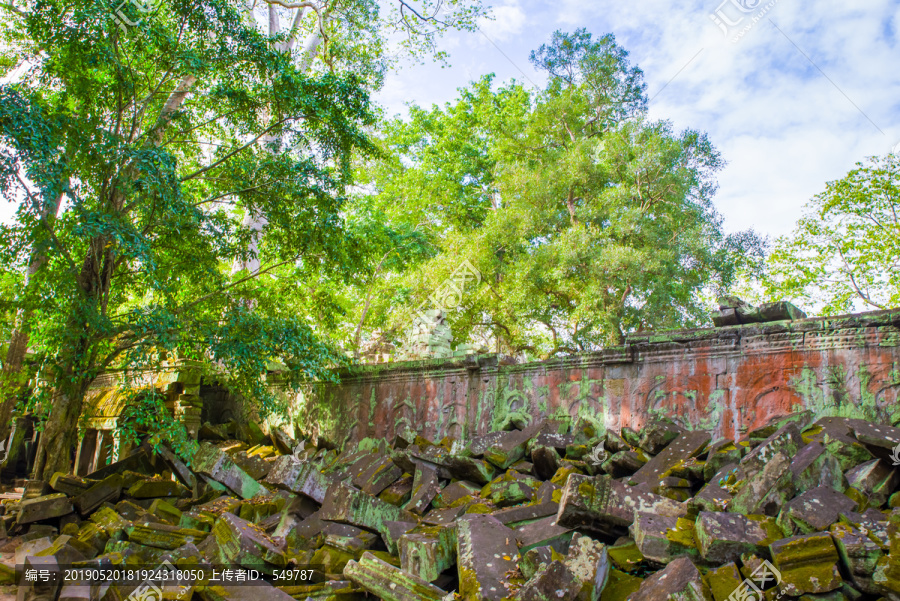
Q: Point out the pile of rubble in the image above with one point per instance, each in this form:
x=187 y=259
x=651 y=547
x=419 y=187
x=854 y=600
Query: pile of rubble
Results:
x=798 y=510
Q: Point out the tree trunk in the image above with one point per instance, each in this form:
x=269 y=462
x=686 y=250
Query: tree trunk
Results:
x=11 y=375
x=60 y=435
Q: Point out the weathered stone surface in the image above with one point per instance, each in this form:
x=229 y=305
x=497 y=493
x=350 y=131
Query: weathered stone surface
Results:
x=244 y=543
x=623 y=463
x=545 y=460
x=43 y=508
x=552 y=581
x=814 y=466
x=859 y=555
x=517 y=516
x=657 y=435
x=399 y=492
x=301 y=477
x=69 y=484
x=877 y=479
x=543 y=532
x=506 y=448
x=453 y=493
x=428 y=551
x=601 y=503
x=808 y=563
x=348 y=505
x=684 y=446
x=162 y=536
x=767 y=490
x=786 y=440
x=588 y=560
x=157 y=487
x=380 y=474
x=662 y=539
x=425 y=487
x=815 y=510
x=105 y=491
x=389 y=583
x=215 y=464
x=486 y=551
x=680 y=580
x=724 y=581
x=724 y=537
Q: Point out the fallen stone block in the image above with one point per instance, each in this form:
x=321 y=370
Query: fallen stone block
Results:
x=69 y=484
x=684 y=446
x=486 y=551
x=724 y=581
x=724 y=537
x=658 y=434
x=254 y=465
x=814 y=510
x=859 y=555
x=399 y=492
x=623 y=463
x=457 y=466
x=215 y=464
x=380 y=474
x=552 y=581
x=522 y=514
x=508 y=490
x=427 y=552
x=620 y=586
x=588 y=561
x=808 y=564
x=300 y=477
x=111 y=522
x=455 y=492
x=43 y=508
x=351 y=506
x=351 y=539
x=506 y=448
x=532 y=560
x=814 y=466
x=545 y=460
x=243 y=543
x=541 y=533
x=105 y=491
x=662 y=539
x=603 y=504
x=786 y=441
x=764 y=492
x=152 y=488
x=425 y=487
x=389 y=583
x=722 y=453
x=680 y=580
x=877 y=479
x=162 y=536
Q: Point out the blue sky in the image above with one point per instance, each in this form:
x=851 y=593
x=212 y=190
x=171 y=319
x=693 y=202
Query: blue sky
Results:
x=806 y=91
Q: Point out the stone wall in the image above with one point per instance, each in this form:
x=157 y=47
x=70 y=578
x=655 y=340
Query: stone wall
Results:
x=726 y=380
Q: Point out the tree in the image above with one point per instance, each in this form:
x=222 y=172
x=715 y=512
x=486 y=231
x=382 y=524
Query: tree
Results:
x=150 y=133
x=586 y=220
x=844 y=253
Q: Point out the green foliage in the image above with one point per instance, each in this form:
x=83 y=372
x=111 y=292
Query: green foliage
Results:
x=156 y=187
x=844 y=254
x=586 y=219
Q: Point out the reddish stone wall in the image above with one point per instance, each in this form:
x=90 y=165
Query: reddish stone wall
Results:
x=727 y=380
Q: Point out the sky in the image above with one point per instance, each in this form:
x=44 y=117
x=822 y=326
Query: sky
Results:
x=793 y=93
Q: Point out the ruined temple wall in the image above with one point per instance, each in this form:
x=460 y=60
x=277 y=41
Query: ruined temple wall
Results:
x=727 y=380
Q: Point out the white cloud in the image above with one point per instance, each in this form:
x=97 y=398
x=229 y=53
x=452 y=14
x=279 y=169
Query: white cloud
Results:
x=784 y=127
x=509 y=20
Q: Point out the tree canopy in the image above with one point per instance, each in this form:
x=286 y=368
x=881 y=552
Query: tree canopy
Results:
x=844 y=253
x=586 y=219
